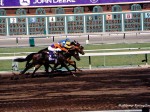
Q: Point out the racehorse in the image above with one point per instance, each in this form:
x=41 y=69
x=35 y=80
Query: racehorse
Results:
x=74 y=51
x=41 y=58
x=76 y=48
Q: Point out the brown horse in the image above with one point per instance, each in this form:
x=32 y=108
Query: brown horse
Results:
x=74 y=51
x=41 y=58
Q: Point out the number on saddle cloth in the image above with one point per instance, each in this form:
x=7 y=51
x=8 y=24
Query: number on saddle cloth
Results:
x=52 y=56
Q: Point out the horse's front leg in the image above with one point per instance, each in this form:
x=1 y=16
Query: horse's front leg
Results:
x=36 y=68
x=55 y=67
x=46 y=66
x=26 y=68
x=73 y=63
x=75 y=66
x=65 y=65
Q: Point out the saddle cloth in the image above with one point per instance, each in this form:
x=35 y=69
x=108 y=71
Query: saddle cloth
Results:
x=52 y=56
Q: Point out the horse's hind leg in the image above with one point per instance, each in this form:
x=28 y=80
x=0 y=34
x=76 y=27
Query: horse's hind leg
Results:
x=27 y=68
x=20 y=75
x=46 y=66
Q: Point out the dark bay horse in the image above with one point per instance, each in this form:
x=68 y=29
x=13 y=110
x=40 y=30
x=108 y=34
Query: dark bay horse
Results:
x=76 y=48
x=41 y=58
x=74 y=51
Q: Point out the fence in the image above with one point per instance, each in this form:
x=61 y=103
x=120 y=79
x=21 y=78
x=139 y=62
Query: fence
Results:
x=89 y=55
x=115 y=54
x=69 y=24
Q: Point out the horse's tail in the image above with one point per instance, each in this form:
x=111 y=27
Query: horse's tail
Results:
x=28 y=58
x=20 y=60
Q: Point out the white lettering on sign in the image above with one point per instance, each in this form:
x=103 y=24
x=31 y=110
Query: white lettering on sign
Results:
x=13 y=20
x=2 y=2
x=147 y=15
x=32 y=20
x=128 y=16
x=94 y=1
x=52 y=19
x=24 y=2
x=42 y=1
x=71 y=18
x=109 y=17
x=90 y=18
x=53 y=1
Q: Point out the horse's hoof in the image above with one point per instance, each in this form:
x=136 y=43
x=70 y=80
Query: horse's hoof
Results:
x=14 y=77
x=74 y=75
x=51 y=76
x=33 y=76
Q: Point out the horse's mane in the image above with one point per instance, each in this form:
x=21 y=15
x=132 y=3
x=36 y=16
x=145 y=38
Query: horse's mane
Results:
x=45 y=49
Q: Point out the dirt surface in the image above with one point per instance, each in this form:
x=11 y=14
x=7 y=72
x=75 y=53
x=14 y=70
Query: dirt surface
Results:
x=110 y=89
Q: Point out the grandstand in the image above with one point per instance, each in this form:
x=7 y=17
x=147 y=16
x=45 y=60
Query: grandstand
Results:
x=70 y=18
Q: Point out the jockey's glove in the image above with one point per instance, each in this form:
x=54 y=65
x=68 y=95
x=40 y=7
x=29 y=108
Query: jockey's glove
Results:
x=67 y=51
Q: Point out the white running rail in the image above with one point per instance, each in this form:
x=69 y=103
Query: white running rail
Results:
x=91 y=54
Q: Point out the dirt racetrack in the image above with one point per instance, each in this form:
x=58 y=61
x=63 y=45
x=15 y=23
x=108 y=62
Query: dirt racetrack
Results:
x=104 y=89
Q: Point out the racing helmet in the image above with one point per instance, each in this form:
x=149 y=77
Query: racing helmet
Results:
x=67 y=40
x=68 y=45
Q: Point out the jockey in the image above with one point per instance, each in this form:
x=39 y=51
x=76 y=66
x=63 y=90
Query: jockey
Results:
x=53 y=48
x=65 y=43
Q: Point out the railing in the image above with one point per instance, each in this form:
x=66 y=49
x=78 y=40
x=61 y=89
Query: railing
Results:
x=89 y=55
x=74 y=24
x=114 y=54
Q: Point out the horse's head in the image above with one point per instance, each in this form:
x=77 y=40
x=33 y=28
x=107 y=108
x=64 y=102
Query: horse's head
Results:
x=78 y=47
x=73 y=52
x=76 y=56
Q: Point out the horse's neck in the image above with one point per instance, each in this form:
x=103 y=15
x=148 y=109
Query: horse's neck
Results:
x=43 y=50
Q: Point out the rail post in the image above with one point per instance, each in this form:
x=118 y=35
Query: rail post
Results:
x=146 y=59
x=87 y=41
x=90 y=67
x=124 y=36
x=53 y=39
x=17 y=41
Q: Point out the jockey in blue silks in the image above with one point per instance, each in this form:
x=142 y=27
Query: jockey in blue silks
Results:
x=65 y=43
